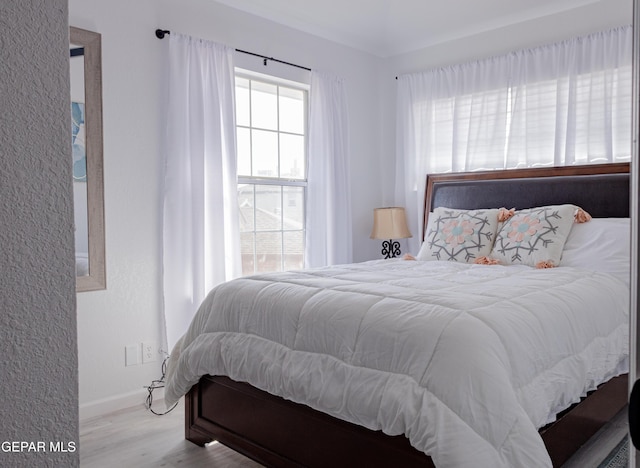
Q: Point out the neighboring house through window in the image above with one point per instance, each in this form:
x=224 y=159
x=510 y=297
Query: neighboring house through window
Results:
x=271 y=122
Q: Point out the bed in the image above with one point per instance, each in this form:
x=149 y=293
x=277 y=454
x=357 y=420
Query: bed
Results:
x=314 y=421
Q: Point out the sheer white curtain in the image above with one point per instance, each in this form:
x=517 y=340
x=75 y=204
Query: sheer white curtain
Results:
x=571 y=102
x=201 y=241
x=328 y=226
x=450 y=119
x=561 y=104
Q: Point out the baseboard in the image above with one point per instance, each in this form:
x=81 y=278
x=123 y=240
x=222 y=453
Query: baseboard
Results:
x=123 y=401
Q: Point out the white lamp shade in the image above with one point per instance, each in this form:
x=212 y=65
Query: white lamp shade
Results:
x=390 y=223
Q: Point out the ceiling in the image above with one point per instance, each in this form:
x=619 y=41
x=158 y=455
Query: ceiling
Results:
x=392 y=27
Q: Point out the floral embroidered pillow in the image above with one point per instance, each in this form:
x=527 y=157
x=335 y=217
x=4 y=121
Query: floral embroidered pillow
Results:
x=459 y=235
x=534 y=237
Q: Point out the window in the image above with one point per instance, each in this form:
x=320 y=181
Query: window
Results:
x=271 y=124
x=582 y=119
x=561 y=104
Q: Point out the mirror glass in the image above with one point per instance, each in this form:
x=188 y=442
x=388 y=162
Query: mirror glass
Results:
x=78 y=138
x=86 y=136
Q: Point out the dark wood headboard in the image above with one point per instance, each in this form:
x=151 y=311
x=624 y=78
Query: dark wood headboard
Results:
x=600 y=189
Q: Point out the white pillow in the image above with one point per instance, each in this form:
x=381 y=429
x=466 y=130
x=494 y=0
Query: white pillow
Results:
x=534 y=236
x=602 y=244
x=459 y=235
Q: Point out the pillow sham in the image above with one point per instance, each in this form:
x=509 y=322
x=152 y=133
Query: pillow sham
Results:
x=459 y=235
x=535 y=236
x=603 y=244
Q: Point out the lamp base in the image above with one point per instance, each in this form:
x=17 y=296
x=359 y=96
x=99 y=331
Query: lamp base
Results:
x=390 y=249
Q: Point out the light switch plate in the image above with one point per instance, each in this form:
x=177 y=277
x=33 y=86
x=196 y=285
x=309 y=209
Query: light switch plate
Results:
x=131 y=355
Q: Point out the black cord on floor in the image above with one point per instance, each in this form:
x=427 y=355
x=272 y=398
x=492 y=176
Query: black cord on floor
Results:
x=155 y=385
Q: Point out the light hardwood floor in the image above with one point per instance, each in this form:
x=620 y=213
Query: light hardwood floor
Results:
x=137 y=438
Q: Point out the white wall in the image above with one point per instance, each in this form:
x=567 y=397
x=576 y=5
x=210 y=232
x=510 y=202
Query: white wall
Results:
x=38 y=364
x=129 y=310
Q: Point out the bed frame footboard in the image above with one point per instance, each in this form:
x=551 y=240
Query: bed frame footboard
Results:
x=280 y=433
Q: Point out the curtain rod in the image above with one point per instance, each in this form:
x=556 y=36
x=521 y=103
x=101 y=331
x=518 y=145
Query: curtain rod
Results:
x=160 y=33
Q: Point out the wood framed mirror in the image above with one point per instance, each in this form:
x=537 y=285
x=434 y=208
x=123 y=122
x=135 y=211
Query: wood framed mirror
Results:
x=85 y=50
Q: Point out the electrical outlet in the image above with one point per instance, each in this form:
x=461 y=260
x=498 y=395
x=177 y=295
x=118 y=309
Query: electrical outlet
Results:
x=149 y=352
x=131 y=355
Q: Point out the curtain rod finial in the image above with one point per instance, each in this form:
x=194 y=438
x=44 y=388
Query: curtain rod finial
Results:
x=160 y=33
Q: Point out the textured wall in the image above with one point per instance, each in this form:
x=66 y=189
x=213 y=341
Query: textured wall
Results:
x=38 y=342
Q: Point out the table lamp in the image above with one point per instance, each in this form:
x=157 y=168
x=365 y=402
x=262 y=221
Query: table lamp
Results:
x=390 y=223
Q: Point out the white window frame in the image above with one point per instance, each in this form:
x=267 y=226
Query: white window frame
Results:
x=278 y=181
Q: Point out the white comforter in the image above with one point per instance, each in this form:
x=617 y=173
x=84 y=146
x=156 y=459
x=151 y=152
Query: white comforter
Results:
x=466 y=360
